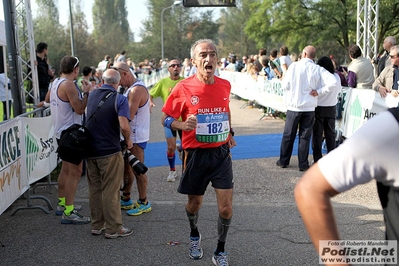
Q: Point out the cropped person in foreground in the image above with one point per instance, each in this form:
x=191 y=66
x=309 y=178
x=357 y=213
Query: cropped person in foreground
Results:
x=363 y=157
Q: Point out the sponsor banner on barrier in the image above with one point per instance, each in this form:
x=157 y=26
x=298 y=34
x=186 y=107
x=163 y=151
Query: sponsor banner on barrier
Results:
x=270 y=94
x=267 y=93
x=340 y=123
x=242 y=84
x=41 y=147
x=363 y=105
x=13 y=178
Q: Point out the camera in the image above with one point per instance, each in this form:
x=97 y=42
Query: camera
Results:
x=135 y=163
x=342 y=69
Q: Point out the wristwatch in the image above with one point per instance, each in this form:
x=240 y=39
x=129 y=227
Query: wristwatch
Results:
x=86 y=93
x=232 y=132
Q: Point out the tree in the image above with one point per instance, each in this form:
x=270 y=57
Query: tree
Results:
x=111 y=33
x=83 y=40
x=182 y=26
x=174 y=22
x=204 y=27
x=328 y=25
x=388 y=20
x=232 y=35
x=48 y=29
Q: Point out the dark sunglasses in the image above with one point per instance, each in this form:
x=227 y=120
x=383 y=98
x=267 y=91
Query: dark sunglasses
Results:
x=175 y=65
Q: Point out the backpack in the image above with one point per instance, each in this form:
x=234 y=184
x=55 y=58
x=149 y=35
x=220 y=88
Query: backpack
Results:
x=74 y=144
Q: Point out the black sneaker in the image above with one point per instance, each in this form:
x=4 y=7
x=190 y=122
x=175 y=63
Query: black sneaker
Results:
x=281 y=165
x=303 y=169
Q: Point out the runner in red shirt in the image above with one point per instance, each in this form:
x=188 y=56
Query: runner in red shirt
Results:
x=202 y=101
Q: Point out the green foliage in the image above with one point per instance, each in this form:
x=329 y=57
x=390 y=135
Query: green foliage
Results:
x=204 y=27
x=328 y=25
x=83 y=44
x=389 y=20
x=232 y=35
x=47 y=29
x=182 y=27
x=111 y=33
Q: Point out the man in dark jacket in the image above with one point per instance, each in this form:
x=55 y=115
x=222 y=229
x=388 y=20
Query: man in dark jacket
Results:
x=44 y=73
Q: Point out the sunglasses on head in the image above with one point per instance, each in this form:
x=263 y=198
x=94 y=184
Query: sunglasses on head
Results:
x=77 y=62
x=175 y=65
x=117 y=69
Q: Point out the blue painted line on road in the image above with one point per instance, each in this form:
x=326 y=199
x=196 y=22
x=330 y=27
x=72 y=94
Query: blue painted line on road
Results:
x=248 y=147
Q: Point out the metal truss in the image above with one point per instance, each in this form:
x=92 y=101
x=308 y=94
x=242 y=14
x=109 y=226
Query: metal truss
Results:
x=26 y=54
x=367 y=27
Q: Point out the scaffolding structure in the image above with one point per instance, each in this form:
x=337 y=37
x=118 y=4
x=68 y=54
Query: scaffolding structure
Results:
x=26 y=52
x=23 y=54
x=367 y=27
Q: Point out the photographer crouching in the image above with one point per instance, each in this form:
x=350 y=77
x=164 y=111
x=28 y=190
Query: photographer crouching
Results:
x=110 y=115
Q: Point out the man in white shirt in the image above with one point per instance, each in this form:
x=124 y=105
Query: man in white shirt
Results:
x=303 y=82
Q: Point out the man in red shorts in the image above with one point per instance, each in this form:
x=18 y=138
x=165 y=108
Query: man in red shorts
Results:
x=202 y=101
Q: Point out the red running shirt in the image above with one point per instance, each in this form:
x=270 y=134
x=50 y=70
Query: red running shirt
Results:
x=209 y=103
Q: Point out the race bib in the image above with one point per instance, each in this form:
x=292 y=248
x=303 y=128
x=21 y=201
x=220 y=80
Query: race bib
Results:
x=212 y=127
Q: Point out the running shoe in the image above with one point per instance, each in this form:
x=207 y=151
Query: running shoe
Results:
x=172 y=176
x=139 y=208
x=123 y=232
x=127 y=205
x=96 y=232
x=220 y=259
x=195 y=248
x=74 y=218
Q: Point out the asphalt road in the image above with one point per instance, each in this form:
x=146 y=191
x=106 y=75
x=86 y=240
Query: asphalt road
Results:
x=266 y=228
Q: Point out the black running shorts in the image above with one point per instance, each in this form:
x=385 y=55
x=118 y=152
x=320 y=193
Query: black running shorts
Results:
x=202 y=166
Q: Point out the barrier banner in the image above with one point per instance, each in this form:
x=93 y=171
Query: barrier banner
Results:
x=41 y=147
x=13 y=178
x=341 y=123
x=363 y=105
x=270 y=94
x=242 y=84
